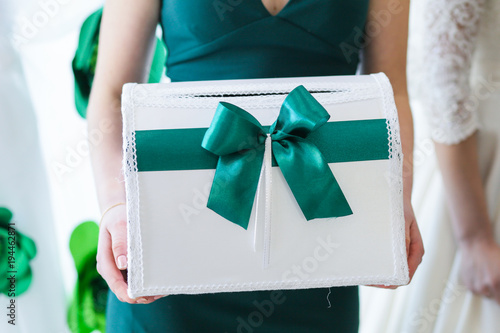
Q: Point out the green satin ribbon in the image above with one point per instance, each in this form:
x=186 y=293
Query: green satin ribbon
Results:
x=338 y=141
x=238 y=139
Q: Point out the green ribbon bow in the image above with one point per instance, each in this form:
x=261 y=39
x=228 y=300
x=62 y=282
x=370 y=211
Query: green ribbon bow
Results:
x=239 y=141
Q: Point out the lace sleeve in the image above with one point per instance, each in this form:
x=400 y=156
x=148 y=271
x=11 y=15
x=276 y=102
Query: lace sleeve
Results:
x=450 y=32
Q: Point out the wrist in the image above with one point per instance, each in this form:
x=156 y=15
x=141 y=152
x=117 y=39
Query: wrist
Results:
x=114 y=206
x=483 y=236
x=110 y=192
x=407 y=187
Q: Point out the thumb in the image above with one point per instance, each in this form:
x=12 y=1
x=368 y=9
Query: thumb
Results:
x=118 y=232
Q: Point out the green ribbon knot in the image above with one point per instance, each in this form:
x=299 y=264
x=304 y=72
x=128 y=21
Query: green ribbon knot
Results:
x=239 y=141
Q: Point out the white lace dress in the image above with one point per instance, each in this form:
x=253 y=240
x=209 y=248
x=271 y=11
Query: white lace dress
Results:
x=454 y=77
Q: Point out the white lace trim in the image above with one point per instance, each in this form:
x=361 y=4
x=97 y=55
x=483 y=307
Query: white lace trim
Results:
x=160 y=95
x=395 y=178
x=268 y=285
x=154 y=95
x=129 y=168
x=450 y=28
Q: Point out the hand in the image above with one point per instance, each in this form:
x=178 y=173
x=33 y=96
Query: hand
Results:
x=480 y=267
x=414 y=244
x=112 y=254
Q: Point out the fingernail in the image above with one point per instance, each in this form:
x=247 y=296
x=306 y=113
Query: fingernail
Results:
x=142 y=300
x=157 y=297
x=122 y=262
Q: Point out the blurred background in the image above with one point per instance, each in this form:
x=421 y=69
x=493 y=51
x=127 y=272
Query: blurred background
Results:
x=45 y=174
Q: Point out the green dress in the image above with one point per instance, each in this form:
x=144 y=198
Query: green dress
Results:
x=239 y=39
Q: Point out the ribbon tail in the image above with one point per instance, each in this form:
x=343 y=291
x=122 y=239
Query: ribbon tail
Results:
x=309 y=177
x=256 y=225
x=266 y=175
x=234 y=185
x=268 y=164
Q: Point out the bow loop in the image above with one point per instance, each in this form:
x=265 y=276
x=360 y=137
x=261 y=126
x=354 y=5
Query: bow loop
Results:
x=232 y=130
x=300 y=114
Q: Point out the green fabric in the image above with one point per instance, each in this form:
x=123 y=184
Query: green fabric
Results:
x=238 y=39
x=338 y=141
x=158 y=63
x=85 y=59
x=86 y=312
x=287 y=311
x=16 y=251
x=238 y=138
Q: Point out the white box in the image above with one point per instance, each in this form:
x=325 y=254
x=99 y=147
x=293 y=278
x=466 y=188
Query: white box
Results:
x=176 y=245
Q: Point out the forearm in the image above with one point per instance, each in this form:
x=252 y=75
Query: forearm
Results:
x=464 y=190
x=126 y=44
x=386 y=52
x=407 y=141
x=104 y=116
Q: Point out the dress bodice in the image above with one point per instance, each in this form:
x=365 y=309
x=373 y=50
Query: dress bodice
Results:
x=234 y=39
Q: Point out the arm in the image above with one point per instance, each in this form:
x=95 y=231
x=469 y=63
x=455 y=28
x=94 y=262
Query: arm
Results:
x=459 y=166
x=126 y=42
x=385 y=51
x=453 y=117
x=464 y=189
